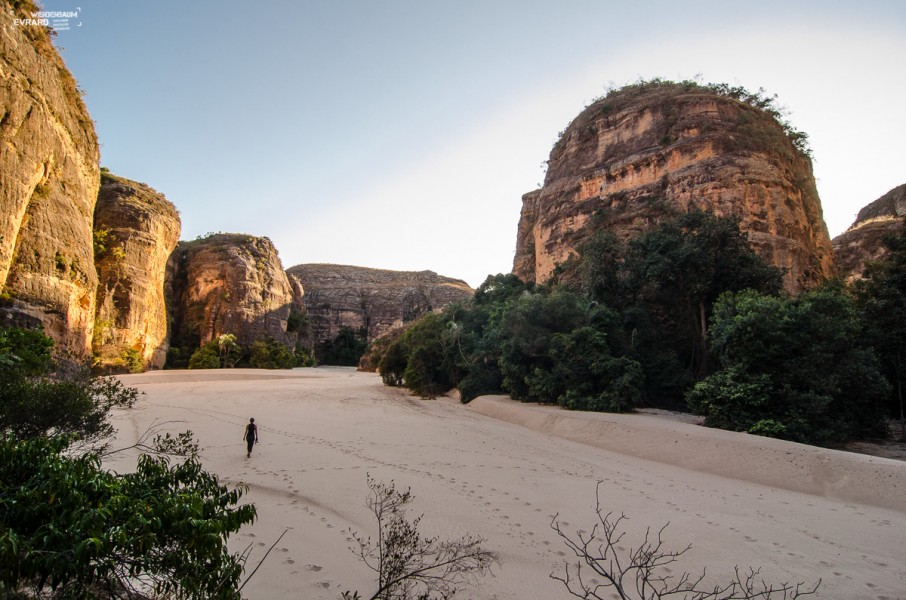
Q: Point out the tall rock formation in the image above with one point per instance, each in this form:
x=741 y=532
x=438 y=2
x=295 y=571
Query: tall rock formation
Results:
x=228 y=283
x=653 y=149
x=376 y=300
x=49 y=180
x=136 y=230
x=863 y=241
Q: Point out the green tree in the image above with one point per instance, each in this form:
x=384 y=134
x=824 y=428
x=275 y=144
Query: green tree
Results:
x=271 y=354
x=35 y=402
x=206 y=357
x=429 y=368
x=228 y=350
x=346 y=349
x=792 y=368
x=527 y=329
x=70 y=526
x=882 y=301
x=678 y=270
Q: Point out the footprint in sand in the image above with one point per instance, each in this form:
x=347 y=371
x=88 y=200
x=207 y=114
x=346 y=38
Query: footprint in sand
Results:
x=314 y=568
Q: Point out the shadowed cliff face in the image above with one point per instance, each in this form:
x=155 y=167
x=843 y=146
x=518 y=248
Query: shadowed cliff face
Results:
x=863 y=241
x=653 y=150
x=48 y=188
x=136 y=230
x=229 y=283
x=376 y=300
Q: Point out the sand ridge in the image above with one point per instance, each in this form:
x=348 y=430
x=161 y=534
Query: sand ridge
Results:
x=506 y=476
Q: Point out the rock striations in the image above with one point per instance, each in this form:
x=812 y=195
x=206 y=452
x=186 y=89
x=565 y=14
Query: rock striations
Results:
x=653 y=149
x=136 y=230
x=863 y=241
x=49 y=180
x=228 y=283
x=376 y=300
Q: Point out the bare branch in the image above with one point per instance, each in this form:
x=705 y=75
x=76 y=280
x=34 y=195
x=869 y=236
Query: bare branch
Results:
x=644 y=566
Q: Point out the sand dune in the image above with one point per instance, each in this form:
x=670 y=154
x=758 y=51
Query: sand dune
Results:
x=503 y=470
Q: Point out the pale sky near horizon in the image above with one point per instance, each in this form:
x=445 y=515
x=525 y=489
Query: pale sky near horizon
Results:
x=401 y=134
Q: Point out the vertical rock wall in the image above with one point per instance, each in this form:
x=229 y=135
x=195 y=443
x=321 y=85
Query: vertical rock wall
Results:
x=229 y=283
x=136 y=230
x=652 y=150
x=49 y=180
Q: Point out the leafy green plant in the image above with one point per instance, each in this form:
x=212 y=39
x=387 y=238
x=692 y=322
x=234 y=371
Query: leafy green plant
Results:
x=71 y=527
x=796 y=368
x=271 y=354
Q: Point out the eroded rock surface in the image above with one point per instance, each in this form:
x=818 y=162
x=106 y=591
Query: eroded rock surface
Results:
x=136 y=230
x=49 y=180
x=863 y=241
x=652 y=150
x=229 y=283
x=376 y=300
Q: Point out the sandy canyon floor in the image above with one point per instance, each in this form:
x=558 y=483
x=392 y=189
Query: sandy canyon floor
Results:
x=503 y=470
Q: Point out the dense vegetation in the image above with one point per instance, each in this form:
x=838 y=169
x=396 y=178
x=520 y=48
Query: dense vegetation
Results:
x=71 y=527
x=685 y=316
x=225 y=352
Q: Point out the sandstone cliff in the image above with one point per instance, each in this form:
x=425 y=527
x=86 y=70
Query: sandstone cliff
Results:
x=48 y=188
x=376 y=300
x=136 y=230
x=228 y=283
x=862 y=242
x=653 y=149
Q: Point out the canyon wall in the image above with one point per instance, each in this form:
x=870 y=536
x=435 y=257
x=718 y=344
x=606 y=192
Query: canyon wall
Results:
x=228 y=283
x=135 y=229
x=863 y=241
x=651 y=150
x=49 y=179
x=375 y=300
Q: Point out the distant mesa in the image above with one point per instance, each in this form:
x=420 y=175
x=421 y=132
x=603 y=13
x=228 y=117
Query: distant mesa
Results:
x=650 y=150
x=863 y=241
x=372 y=300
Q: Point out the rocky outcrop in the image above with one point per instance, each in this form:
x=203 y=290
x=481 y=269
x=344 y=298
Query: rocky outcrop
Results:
x=652 y=150
x=135 y=231
x=375 y=300
x=863 y=241
x=229 y=283
x=49 y=180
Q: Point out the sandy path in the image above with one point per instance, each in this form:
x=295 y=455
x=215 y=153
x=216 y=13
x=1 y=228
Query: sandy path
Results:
x=323 y=429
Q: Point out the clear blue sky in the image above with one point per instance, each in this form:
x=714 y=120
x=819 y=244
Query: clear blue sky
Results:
x=401 y=134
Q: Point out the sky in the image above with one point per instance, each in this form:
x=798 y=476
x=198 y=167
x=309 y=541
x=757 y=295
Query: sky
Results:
x=402 y=134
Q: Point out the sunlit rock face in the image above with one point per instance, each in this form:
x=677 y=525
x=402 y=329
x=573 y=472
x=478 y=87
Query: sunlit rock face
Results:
x=136 y=230
x=651 y=150
x=49 y=180
x=376 y=300
x=229 y=283
x=863 y=241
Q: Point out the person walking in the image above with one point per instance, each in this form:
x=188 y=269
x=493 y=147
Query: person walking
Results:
x=250 y=436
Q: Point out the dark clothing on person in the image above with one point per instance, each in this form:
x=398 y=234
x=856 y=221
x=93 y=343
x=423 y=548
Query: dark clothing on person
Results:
x=251 y=436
